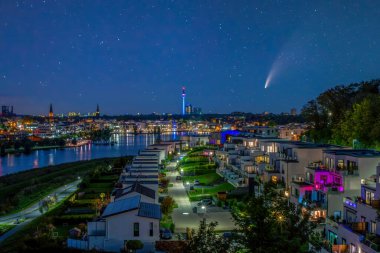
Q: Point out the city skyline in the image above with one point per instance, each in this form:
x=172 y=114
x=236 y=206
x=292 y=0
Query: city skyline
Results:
x=134 y=57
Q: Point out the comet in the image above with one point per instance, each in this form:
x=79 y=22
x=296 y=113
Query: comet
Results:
x=277 y=66
x=269 y=79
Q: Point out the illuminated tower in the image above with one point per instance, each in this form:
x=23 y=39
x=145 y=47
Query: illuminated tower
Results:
x=183 y=100
x=97 y=114
x=51 y=114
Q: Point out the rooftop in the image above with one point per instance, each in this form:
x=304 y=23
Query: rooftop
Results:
x=136 y=187
x=149 y=210
x=354 y=152
x=122 y=206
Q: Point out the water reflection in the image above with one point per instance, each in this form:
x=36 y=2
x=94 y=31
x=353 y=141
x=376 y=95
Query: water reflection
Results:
x=51 y=159
x=126 y=145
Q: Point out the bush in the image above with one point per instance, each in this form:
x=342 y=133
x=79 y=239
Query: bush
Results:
x=167 y=205
x=134 y=245
x=172 y=227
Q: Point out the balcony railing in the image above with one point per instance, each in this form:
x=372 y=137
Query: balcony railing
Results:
x=357 y=227
x=373 y=242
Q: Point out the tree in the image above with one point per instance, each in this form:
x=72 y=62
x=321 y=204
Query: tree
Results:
x=167 y=205
x=268 y=223
x=134 y=245
x=360 y=123
x=17 y=145
x=207 y=240
x=2 y=150
x=28 y=145
x=333 y=107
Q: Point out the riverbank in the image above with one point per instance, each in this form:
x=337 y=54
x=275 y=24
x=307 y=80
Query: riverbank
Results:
x=21 y=150
x=20 y=190
x=126 y=145
x=48 y=232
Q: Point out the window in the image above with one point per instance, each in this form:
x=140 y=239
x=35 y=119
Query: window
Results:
x=373 y=227
x=352 y=248
x=340 y=164
x=136 y=229
x=151 y=229
x=344 y=242
x=369 y=196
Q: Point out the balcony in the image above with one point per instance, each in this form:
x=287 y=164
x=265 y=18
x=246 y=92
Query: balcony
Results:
x=356 y=227
x=369 y=182
x=348 y=202
x=372 y=241
x=351 y=170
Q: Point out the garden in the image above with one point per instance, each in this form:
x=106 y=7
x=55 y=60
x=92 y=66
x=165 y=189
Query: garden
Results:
x=69 y=218
x=198 y=171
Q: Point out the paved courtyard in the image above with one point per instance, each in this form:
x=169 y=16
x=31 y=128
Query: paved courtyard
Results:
x=184 y=217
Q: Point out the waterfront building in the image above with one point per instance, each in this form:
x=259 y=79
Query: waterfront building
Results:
x=358 y=230
x=123 y=220
x=134 y=204
x=292 y=131
x=189 y=109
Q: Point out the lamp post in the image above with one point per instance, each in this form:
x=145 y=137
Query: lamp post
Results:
x=204 y=211
x=287 y=195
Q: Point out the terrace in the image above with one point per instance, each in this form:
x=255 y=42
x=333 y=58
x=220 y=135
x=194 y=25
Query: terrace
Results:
x=372 y=242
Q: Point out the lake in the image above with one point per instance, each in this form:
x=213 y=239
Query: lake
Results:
x=126 y=145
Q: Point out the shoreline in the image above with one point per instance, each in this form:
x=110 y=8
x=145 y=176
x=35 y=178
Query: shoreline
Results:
x=20 y=151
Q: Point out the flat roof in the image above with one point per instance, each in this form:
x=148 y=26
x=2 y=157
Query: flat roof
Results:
x=354 y=152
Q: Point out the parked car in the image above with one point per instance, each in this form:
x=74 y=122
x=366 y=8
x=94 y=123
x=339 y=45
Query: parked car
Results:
x=166 y=234
x=205 y=202
x=196 y=182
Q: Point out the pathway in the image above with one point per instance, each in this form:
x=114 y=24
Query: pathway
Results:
x=184 y=217
x=33 y=212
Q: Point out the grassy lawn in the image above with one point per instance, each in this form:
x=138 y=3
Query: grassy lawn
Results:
x=205 y=179
x=12 y=243
x=5 y=228
x=20 y=190
x=73 y=212
x=213 y=190
x=198 y=169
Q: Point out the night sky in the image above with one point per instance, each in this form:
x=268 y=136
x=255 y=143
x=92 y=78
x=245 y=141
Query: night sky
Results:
x=135 y=56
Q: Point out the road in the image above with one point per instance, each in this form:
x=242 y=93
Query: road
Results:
x=184 y=217
x=33 y=212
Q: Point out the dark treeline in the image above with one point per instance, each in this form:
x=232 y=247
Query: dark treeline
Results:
x=346 y=115
x=27 y=145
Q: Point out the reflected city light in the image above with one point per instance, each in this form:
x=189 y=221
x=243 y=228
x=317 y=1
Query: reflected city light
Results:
x=128 y=144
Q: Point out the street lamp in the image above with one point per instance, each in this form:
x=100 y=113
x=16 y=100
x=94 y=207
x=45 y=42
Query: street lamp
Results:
x=204 y=211
x=287 y=196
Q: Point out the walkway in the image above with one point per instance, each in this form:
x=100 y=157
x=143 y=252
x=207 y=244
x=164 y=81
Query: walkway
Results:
x=33 y=212
x=184 y=217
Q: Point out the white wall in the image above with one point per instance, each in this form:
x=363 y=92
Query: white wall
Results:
x=120 y=228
